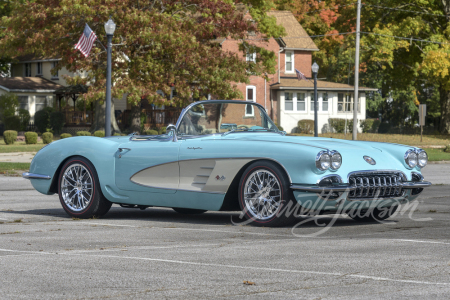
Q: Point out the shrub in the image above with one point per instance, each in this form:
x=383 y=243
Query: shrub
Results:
x=31 y=137
x=376 y=125
x=337 y=124
x=65 y=135
x=42 y=119
x=384 y=128
x=99 y=133
x=151 y=132
x=57 y=121
x=24 y=119
x=162 y=130
x=447 y=149
x=306 y=126
x=12 y=123
x=350 y=125
x=10 y=136
x=47 y=137
x=279 y=127
x=116 y=134
x=83 y=133
x=8 y=105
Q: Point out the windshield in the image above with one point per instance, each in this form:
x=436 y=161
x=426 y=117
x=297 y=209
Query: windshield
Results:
x=218 y=118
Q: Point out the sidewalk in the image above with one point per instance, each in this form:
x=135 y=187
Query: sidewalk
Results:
x=18 y=157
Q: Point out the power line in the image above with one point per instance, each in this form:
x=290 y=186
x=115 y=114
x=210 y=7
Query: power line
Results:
x=404 y=10
x=407 y=38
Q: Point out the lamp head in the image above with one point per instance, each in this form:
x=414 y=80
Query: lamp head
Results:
x=315 y=67
x=110 y=27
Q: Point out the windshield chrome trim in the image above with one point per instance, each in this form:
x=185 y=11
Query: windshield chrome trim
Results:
x=187 y=108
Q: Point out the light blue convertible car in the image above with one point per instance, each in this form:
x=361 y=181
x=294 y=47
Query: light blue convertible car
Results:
x=228 y=155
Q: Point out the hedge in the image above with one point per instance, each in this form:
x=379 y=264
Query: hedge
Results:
x=150 y=132
x=12 y=123
x=83 y=133
x=65 y=135
x=10 y=136
x=306 y=126
x=279 y=127
x=337 y=124
x=447 y=149
x=42 y=119
x=370 y=125
x=99 y=133
x=31 y=137
x=47 y=137
x=57 y=121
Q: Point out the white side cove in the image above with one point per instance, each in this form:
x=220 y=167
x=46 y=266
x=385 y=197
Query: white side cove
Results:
x=198 y=175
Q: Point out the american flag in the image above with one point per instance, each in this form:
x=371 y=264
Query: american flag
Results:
x=86 y=41
x=300 y=75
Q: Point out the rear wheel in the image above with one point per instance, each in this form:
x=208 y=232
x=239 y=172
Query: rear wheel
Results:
x=264 y=195
x=188 y=211
x=79 y=190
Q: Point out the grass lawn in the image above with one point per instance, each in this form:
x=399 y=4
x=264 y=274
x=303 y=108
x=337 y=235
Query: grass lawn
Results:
x=8 y=167
x=410 y=140
x=19 y=147
x=437 y=154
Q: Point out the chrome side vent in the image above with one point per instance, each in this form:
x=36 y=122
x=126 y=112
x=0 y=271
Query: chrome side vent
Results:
x=376 y=185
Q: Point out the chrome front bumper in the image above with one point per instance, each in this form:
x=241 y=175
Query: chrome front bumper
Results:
x=347 y=188
x=27 y=175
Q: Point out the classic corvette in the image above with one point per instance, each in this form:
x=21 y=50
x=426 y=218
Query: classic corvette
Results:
x=229 y=155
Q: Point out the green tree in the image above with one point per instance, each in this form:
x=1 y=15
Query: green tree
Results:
x=159 y=45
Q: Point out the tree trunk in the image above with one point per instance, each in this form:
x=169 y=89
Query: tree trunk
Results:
x=444 y=96
x=99 y=120
x=136 y=118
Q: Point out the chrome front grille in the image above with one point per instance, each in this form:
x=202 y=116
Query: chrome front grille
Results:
x=376 y=185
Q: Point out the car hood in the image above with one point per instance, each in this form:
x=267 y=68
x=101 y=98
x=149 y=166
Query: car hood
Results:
x=322 y=143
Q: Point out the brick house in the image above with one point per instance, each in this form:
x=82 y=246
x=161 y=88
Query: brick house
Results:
x=288 y=100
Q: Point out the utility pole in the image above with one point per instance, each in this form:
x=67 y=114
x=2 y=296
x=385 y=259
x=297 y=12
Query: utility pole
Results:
x=355 y=96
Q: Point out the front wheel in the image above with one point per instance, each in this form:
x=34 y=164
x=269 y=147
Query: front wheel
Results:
x=79 y=190
x=264 y=195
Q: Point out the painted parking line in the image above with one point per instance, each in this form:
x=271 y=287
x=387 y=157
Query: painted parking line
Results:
x=307 y=272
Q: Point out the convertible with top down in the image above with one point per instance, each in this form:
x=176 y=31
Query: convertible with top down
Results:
x=228 y=155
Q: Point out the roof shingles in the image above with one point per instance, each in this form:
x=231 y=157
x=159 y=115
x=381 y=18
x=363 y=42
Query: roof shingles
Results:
x=28 y=83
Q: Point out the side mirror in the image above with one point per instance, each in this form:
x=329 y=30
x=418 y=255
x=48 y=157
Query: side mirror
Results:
x=172 y=130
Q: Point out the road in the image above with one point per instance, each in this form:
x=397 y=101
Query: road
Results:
x=159 y=254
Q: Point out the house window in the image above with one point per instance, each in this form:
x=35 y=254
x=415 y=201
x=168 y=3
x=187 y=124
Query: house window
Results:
x=41 y=103
x=251 y=57
x=288 y=101
x=251 y=96
x=39 y=68
x=345 y=103
x=55 y=67
x=23 y=102
x=325 y=102
x=27 y=70
x=301 y=103
x=289 y=62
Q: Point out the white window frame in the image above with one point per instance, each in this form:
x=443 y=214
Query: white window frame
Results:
x=250 y=87
x=55 y=65
x=27 y=69
x=347 y=102
x=39 y=68
x=295 y=107
x=251 y=57
x=291 y=54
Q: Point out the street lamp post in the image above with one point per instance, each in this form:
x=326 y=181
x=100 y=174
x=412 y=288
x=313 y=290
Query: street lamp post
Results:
x=315 y=69
x=110 y=26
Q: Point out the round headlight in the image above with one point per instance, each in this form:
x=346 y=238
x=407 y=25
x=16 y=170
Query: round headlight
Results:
x=336 y=160
x=422 y=158
x=411 y=158
x=323 y=160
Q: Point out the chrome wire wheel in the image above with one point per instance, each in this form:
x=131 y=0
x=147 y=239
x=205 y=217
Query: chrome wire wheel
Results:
x=262 y=194
x=77 y=187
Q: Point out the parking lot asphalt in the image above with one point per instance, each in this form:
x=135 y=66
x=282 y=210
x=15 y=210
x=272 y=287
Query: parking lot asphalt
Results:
x=160 y=254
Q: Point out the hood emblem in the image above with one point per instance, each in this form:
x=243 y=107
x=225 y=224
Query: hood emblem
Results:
x=369 y=160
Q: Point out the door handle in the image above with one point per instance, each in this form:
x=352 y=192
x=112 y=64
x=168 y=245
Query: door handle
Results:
x=122 y=150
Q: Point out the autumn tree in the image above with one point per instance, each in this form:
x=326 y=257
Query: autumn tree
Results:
x=404 y=52
x=158 y=44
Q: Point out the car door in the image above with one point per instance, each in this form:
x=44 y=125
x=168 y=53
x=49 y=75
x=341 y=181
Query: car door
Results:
x=148 y=165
